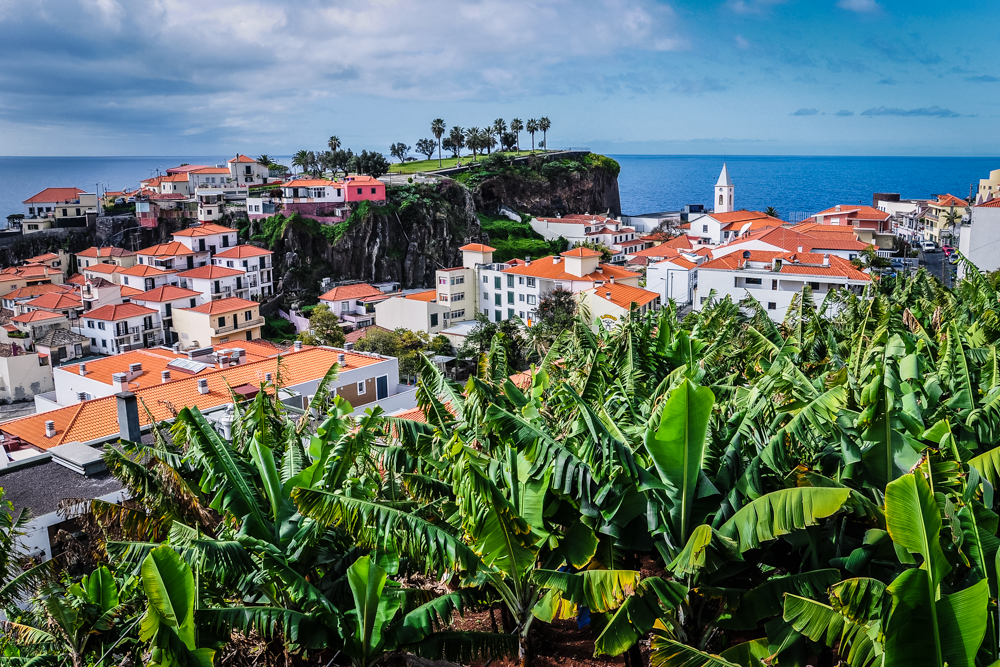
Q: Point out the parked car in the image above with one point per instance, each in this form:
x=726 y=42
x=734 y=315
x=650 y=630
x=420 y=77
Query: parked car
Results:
x=120 y=200
x=131 y=200
x=954 y=259
x=947 y=250
x=929 y=246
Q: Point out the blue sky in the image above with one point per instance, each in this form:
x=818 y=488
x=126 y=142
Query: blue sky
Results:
x=176 y=77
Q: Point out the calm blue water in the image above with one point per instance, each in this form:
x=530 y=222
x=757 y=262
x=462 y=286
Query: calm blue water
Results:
x=648 y=183
x=793 y=184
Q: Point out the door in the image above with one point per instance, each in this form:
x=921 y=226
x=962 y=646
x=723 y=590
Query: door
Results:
x=381 y=387
x=249 y=335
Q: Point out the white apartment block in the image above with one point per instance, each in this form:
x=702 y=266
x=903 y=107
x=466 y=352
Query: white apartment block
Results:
x=257 y=263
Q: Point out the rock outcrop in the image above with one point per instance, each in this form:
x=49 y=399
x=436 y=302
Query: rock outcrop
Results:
x=592 y=191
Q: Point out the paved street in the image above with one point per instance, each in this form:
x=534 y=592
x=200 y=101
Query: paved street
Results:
x=938 y=266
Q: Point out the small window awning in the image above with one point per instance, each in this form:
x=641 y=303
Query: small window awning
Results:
x=247 y=390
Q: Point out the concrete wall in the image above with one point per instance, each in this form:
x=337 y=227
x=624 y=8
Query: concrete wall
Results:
x=21 y=377
x=980 y=241
x=670 y=282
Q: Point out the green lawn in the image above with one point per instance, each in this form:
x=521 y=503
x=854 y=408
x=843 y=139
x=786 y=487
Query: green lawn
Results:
x=446 y=162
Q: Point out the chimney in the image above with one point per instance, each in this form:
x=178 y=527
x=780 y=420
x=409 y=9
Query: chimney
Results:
x=81 y=396
x=83 y=369
x=234 y=358
x=607 y=295
x=826 y=259
x=223 y=361
x=50 y=429
x=176 y=347
x=164 y=376
x=800 y=248
x=340 y=358
x=556 y=259
x=267 y=377
x=298 y=345
x=202 y=385
x=119 y=380
x=837 y=208
x=227 y=426
x=128 y=416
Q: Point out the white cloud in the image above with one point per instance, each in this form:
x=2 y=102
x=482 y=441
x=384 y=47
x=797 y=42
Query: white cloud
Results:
x=860 y=6
x=742 y=42
x=752 y=6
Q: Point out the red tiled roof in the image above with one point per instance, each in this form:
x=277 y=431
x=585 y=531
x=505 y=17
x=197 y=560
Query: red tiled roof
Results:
x=306 y=183
x=993 y=203
x=171 y=249
x=803 y=263
x=429 y=295
x=241 y=158
x=47 y=257
x=545 y=267
x=477 y=247
x=210 y=272
x=55 y=300
x=33 y=291
x=129 y=292
x=950 y=200
x=859 y=212
x=358 y=334
x=205 y=229
x=210 y=170
x=344 y=292
x=143 y=270
x=165 y=293
x=35 y=316
x=624 y=295
x=102 y=268
x=55 y=195
x=580 y=252
x=119 y=311
x=223 y=306
x=241 y=251
x=107 y=251
x=679 y=261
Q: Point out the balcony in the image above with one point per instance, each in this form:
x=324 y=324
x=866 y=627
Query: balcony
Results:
x=221 y=331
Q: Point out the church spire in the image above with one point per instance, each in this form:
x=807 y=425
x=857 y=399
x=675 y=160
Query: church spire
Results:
x=724 y=190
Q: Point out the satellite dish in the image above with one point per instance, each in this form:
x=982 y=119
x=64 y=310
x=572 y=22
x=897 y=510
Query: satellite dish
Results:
x=746 y=254
x=745 y=228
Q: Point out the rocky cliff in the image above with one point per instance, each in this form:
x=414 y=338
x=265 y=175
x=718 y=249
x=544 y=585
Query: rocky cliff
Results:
x=421 y=227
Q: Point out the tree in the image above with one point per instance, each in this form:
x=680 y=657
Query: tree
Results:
x=486 y=139
x=499 y=129
x=301 y=160
x=265 y=160
x=606 y=252
x=333 y=143
x=399 y=151
x=407 y=346
x=426 y=147
x=324 y=328
x=544 y=124
x=515 y=127
x=472 y=140
x=771 y=211
x=457 y=139
x=508 y=140
x=952 y=219
x=342 y=161
x=371 y=163
x=437 y=129
x=557 y=310
x=532 y=127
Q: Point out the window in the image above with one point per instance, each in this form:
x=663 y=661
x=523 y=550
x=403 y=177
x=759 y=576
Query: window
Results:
x=359 y=190
x=458 y=297
x=720 y=200
x=100 y=325
x=460 y=280
x=222 y=321
x=361 y=388
x=774 y=284
x=125 y=278
x=520 y=280
x=496 y=282
x=532 y=299
x=93 y=341
x=201 y=245
x=703 y=299
x=486 y=280
x=814 y=285
x=496 y=299
x=90 y=324
x=520 y=297
x=373 y=190
x=753 y=281
x=434 y=319
x=192 y=303
x=497 y=315
x=531 y=282
x=247 y=316
x=510 y=312
x=704 y=229
x=520 y=314
x=442 y=281
x=771 y=305
x=169 y=310
x=486 y=296
x=457 y=314
x=104 y=343
x=229 y=265
x=510 y=281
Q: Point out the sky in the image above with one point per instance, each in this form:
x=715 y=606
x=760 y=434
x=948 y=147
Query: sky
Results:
x=741 y=77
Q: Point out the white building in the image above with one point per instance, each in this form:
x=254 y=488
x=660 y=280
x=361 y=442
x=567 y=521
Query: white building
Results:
x=215 y=282
x=208 y=238
x=674 y=278
x=774 y=278
x=144 y=277
x=165 y=299
x=256 y=262
x=619 y=238
x=979 y=242
x=208 y=177
x=420 y=311
x=610 y=302
x=174 y=256
x=118 y=328
x=247 y=171
x=724 y=192
x=813 y=238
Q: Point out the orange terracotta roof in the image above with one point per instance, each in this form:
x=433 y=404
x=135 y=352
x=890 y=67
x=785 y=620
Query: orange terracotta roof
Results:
x=344 y=292
x=241 y=158
x=165 y=293
x=682 y=242
x=623 y=295
x=546 y=267
x=171 y=249
x=358 y=334
x=815 y=228
x=107 y=251
x=97 y=420
x=677 y=260
x=429 y=295
x=241 y=251
x=859 y=212
x=413 y=415
x=29 y=271
x=76 y=279
x=143 y=270
x=662 y=250
x=205 y=229
x=129 y=292
x=580 y=252
x=103 y=268
x=47 y=257
x=210 y=170
x=950 y=200
x=55 y=301
x=55 y=195
x=307 y=183
x=803 y=263
x=756 y=223
x=33 y=291
x=176 y=178
x=120 y=311
x=210 y=272
x=993 y=203
x=791 y=240
x=223 y=306
x=477 y=247
x=36 y=316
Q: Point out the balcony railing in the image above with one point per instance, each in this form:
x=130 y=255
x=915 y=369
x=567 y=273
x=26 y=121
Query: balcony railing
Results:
x=242 y=325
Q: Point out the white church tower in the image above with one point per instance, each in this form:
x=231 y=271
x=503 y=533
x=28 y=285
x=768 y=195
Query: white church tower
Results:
x=724 y=192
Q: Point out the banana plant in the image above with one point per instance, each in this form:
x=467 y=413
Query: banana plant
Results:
x=168 y=624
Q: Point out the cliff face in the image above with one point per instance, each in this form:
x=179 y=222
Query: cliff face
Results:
x=593 y=191
x=419 y=232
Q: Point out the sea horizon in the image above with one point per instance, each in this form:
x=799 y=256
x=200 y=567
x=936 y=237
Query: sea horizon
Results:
x=796 y=185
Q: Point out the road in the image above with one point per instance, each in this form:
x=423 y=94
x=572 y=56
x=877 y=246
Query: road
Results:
x=938 y=266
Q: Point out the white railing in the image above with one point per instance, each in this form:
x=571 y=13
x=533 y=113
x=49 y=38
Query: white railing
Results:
x=884 y=253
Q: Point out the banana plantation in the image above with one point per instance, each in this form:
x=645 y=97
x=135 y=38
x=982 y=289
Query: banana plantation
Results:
x=715 y=491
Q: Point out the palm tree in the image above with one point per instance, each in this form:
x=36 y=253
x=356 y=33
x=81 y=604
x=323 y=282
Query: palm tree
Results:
x=499 y=127
x=771 y=211
x=532 y=127
x=265 y=160
x=472 y=140
x=516 y=126
x=544 y=124
x=334 y=143
x=487 y=139
x=301 y=160
x=457 y=136
x=437 y=128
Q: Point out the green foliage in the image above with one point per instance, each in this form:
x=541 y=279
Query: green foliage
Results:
x=516 y=239
x=406 y=345
x=603 y=162
x=324 y=328
x=277 y=329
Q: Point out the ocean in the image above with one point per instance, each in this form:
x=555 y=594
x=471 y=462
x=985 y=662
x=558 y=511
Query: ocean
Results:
x=795 y=185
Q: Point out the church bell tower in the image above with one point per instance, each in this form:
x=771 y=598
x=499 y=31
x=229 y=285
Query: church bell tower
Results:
x=724 y=192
